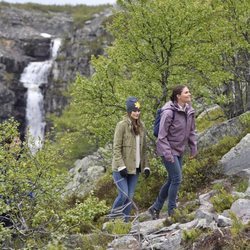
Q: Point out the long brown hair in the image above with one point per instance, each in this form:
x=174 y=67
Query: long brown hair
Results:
x=176 y=91
x=136 y=125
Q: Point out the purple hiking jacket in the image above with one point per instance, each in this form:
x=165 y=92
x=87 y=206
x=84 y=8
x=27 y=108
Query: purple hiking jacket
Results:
x=175 y=133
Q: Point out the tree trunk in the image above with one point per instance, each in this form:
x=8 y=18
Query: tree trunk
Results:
x=228 y=108
x=238 y=100
x=246 y=62
x=248 y=97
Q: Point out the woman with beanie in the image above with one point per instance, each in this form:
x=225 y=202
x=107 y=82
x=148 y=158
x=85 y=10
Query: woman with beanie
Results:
x=129 y=158
x=177 y=128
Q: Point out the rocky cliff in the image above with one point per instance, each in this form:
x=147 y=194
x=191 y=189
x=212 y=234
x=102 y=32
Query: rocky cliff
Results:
x=24 y=39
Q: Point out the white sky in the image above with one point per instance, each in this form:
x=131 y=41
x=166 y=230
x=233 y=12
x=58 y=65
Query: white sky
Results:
x=62 y=2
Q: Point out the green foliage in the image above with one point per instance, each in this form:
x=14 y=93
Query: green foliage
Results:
x=204 y=168
x=245 y=120
x=147 y=189
x=242 y=186
x=210 y=119
x=222 y=200
x=5 y=234
x=105 y=188
x=237 y=226
x=184 y=213
x=84 y=214
x=157 y=45
x=96 y=241
x=118 y=227
x=239 y=234
x=93 y=241
x=33 y=186
x=191 y=234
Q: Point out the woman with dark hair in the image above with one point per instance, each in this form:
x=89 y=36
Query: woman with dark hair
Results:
x=177 y=128
x=129 y=158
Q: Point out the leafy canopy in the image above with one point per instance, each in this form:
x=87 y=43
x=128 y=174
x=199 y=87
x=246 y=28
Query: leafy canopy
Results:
x=159 y=44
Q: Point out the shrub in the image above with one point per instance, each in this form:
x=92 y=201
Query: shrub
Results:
x=148 y=189
x=80 y=217
x=105 y=188
x=204 y=168
x=185 y=212
x=222 y=201
x=31 y=189
x=96 y=241
x=245 y=120
x=242 y=186
x=118 y=227
x=191 y=235
x=237 y=226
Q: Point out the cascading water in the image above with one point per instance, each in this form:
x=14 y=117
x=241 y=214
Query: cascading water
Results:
x=33 y=76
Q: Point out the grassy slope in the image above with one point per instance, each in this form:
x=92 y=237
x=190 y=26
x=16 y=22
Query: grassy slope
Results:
x=80 y=13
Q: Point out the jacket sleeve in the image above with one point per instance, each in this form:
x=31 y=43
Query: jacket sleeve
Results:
x=192 y=138
x=163 y=146
x=117 y=146
x=144 y=151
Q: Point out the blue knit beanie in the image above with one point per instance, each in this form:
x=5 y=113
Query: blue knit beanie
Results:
x=132 y=104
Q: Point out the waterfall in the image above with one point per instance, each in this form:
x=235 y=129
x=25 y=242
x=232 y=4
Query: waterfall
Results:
x=35 y=75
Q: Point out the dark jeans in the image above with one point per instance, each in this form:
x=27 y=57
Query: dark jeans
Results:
x=170 y=188
x=126 y=188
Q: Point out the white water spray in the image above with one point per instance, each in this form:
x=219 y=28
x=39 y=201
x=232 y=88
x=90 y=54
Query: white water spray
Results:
x=35 y=75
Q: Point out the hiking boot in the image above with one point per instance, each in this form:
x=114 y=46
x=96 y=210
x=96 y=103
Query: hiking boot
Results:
x=155 y=214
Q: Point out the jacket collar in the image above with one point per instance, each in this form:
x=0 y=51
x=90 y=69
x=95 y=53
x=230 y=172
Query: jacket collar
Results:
x=175 y=106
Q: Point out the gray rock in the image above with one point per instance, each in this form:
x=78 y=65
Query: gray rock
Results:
x=168 y=241
x=205 y=203
x=238 y=158
x=241 y=209
x=85 y=174
x=223 y=221
x=22 y=41
x=232 y=127
x=202 y=214
x=189 y=225
x=239 y=194
x=148 y=227
x=124 y=243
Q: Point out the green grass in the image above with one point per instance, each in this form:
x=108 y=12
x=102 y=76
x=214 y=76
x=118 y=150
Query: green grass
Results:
x=80 y=13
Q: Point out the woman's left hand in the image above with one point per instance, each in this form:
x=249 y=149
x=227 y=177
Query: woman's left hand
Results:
x=146 y=172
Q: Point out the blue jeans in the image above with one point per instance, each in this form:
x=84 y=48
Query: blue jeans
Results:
x=171 y=186
x=126 y=188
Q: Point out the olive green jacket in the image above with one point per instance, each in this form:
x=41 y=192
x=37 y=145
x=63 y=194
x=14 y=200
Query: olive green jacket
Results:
x=124 y=147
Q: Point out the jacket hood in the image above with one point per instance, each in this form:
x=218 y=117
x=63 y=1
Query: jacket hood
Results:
x=175 y=107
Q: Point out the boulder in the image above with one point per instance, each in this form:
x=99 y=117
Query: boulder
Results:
x=238 y=158
x=232 y=127
x=241 y=209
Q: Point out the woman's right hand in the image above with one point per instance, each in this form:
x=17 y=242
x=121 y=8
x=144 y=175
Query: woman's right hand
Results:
x=170 y=158
x=123 y=172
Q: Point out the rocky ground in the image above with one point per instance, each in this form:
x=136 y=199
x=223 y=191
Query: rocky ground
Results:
x=214 y=229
